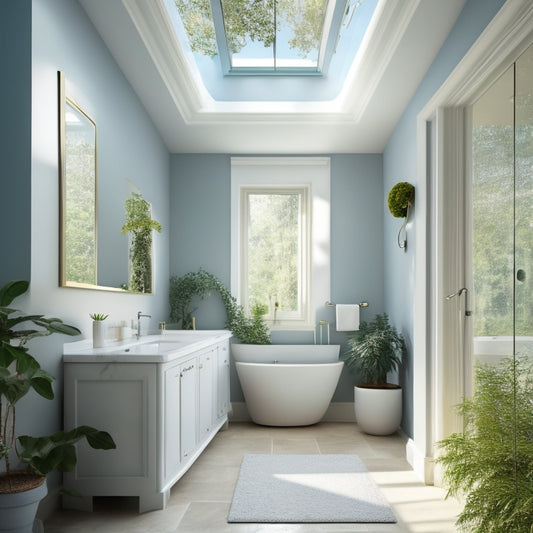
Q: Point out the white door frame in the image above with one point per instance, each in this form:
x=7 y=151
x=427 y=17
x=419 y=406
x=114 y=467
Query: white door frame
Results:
x=440 y=237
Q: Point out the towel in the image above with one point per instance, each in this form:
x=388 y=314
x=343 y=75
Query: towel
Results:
x=347 y=317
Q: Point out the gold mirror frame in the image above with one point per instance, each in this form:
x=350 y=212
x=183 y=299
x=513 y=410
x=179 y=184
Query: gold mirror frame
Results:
x=78 y=235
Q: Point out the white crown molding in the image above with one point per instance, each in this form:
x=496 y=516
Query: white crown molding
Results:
x=502 y=41
x=387 y=27
x=154 y=27
x=196 y=105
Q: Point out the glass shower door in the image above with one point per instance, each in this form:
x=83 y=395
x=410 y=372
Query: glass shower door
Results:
x=523 y=282
x=502 y=215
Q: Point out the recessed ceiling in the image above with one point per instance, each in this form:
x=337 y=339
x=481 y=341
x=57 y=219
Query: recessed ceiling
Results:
x=402 y=40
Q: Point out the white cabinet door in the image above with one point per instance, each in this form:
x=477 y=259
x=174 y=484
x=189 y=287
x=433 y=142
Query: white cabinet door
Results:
x=206 y=395
x=188 y=407
x=171 y=427
x=223 y=383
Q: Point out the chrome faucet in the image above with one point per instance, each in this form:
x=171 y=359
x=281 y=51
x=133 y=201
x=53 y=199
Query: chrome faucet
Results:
x=139 y=316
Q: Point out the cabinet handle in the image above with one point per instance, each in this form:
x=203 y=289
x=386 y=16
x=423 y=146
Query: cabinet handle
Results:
x=187 y=369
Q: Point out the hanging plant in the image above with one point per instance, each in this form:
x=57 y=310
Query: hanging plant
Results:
x=249 y=330
x=401 y=199
x=140 y=224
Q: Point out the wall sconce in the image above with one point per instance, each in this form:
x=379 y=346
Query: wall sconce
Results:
x=401 y=199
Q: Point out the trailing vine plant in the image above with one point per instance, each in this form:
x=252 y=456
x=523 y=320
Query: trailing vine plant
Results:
x=140 y=224
x=249 y=330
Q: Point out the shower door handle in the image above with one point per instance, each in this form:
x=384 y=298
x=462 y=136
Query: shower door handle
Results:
x=458 y=293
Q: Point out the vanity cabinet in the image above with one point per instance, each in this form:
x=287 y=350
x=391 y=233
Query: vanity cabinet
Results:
x=161 y=414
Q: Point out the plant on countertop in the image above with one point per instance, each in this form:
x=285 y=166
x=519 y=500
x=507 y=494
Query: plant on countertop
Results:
x=98 y=317
x=140 y=224
x=374 y=351
x=19 y=373
x=249 y=330
x=491 y=462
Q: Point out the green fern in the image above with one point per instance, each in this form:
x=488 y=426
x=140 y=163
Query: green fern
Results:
x=490 y=464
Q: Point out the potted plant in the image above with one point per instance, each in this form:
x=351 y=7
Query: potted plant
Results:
x=98 y=329
x=490 y=464
x=19 y=374
x=373 y=352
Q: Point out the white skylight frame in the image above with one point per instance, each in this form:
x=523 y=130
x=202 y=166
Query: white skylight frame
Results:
x=176 y=64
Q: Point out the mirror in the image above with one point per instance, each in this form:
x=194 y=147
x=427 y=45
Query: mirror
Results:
x=78 y=242
x=94 y=251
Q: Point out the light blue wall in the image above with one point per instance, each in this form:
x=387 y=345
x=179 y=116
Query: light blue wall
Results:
x=129 y=147
x=399 y=164
x=200 y=237
x=15 y=138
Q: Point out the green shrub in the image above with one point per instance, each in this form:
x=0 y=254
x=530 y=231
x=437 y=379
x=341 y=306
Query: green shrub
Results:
x=490 y=464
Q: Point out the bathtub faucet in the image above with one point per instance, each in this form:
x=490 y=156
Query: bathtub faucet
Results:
x=139 y=316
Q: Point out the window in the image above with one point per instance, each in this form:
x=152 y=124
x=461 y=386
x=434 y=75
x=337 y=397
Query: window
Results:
x=280 y=237
x=266 y=36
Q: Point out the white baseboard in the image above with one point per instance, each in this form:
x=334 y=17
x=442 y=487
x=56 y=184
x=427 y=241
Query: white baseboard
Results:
x=423 y=465
x=337 y=412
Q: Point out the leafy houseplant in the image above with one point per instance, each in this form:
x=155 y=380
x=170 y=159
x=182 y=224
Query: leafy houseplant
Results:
x=249 y=330
x=491 y=462
x=140 y=224
x=374 y=351
x=19 y=373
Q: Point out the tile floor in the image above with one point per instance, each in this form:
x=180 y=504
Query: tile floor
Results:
x=200 y=501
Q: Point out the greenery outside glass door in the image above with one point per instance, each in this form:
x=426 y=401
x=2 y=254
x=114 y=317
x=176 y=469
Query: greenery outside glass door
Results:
x=499 y=417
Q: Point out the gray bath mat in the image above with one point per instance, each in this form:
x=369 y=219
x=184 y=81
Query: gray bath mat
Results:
x=307 y=488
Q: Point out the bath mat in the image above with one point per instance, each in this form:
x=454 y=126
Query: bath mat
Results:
x=307 y=488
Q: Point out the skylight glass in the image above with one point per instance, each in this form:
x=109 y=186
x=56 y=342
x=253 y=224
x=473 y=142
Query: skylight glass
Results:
x=304 y=47
x=264 y=36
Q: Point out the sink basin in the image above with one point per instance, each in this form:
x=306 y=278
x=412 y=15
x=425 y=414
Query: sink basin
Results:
x=152 y=348
x=163 y=345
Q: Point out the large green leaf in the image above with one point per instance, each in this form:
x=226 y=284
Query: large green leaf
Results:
x=42 y=384
x=56 y=325
x=13 y=387
x=56 y=452
x=11 y=290
x=25 y=361
x=6 y=355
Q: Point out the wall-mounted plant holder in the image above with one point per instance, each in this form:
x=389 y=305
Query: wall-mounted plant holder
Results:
x=401 y=199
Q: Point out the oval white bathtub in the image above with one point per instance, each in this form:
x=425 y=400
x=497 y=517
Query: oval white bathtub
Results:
x=287 y=385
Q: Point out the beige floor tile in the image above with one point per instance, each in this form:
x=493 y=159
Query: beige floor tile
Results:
x=200 y=501
x=295 y=446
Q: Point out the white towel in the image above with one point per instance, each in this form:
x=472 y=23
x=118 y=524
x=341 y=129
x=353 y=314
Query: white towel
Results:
x=347 y=316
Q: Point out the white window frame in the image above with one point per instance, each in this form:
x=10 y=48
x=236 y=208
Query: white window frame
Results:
x=280 y=174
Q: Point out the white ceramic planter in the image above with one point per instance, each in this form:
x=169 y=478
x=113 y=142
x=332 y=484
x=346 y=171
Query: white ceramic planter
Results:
x=378 y=411
x=18 y=510
x=99 y=329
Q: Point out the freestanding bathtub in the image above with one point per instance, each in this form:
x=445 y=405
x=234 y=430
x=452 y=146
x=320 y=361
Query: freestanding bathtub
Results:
x=287 y=385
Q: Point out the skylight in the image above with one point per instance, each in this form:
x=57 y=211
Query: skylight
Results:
x=263 y=36
x=279 y=38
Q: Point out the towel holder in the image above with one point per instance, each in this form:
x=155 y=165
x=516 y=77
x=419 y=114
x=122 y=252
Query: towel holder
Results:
x=362 y=304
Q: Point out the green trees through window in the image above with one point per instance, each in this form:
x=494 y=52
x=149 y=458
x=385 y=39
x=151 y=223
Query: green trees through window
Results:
x=274 y=251
x=256 y=21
